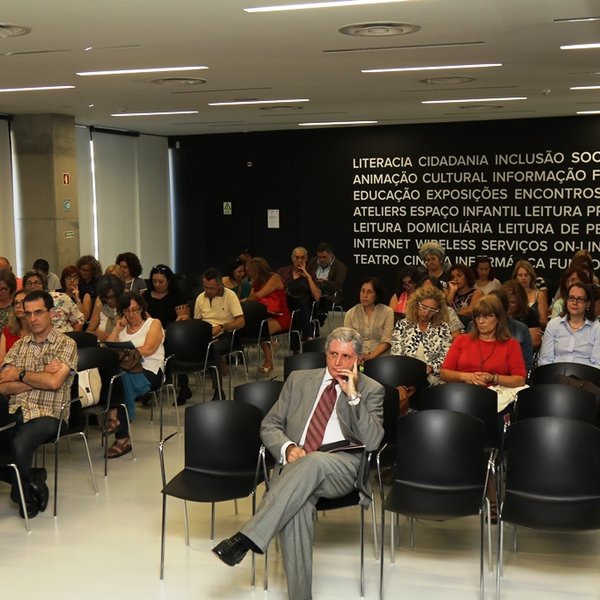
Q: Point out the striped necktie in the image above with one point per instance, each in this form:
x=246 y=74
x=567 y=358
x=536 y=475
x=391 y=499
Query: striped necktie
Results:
x=320 y=418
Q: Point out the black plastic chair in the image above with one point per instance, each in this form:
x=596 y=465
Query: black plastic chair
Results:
x=551 y=373
x=552 y=479
x=474 y=400
x=556 y=400
x=441 y=473
x=262 y=394
x=399 y=370
x=222 y=446
x=254 y=332
x=316 y=345
x=301 y=362
x=83 y=339
x=187 y=344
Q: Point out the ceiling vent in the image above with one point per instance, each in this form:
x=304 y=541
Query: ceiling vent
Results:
x=7 y=30
x=447 y=80
x=379 y=29
x=184 y=81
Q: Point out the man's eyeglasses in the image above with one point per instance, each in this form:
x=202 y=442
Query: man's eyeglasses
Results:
x=429 y=309
x=577 y=299
x=36 y=313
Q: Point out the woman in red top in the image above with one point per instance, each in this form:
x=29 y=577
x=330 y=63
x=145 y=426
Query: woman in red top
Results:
x=16 y=327
x=487 y=355
x=269 y=288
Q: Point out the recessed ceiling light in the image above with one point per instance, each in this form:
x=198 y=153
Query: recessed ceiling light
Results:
x=8 y=30
x=508 y=99
x=41 y=88
x=577 y=20
x=588 y=112
x=309 y=5
x=585 y=87
x=247 y=102
x=431 y=68
x=155 y=114
x=134 y=71
x=333 y=123
x=581 y=46
x=447 y=80
x=379 y=29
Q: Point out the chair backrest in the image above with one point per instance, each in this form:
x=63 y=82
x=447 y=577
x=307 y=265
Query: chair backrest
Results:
x=254 y=314
x=553 y=475
x=107 y=362
x=473 y=400
x=556 y=400
x=300 y=362
x=316 y=345
x=187 y=340
x=262 y=394
x=222 y=436
x=391 y=412
x=440 y=448
x=397 y=370
x=550 y=373
x=83 y=339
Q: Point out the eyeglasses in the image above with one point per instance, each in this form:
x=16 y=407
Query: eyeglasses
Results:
x=36 y=313
x=429 y=309
x=577 y=299
x=132 y=311
x=72 y=276
x=484 y=316
x=159 y=269
x=34 y=283
x=19 y=303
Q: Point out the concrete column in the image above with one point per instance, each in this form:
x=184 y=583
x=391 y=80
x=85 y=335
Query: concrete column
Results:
x=48 y=215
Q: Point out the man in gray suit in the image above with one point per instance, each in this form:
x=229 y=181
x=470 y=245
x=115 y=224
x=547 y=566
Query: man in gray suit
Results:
x=302 y=477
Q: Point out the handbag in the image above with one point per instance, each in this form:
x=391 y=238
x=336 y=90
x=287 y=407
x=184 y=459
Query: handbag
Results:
x=90 y=386
x=130 y=360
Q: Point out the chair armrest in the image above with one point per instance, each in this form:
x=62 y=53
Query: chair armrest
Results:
x=161 y=456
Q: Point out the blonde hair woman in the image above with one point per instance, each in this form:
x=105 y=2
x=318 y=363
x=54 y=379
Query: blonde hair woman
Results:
x=538 y=301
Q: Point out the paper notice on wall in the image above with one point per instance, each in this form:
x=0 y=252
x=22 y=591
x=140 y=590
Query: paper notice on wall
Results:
x=272 y=218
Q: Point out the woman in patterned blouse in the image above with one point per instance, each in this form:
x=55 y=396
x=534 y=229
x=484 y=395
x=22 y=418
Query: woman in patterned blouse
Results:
x=424 y=333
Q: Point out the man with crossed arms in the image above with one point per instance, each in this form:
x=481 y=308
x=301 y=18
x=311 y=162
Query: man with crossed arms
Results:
x=304 y=475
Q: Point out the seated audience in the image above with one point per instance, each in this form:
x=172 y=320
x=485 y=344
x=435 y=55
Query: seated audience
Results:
x=69 y=284
x=424 y=332
x=105 y=314
x=236 y=280
x=148 y=336
x=523 y=273
x=373 y=319
x=6 y=266
x=301 y=290
x=36 y=374
x=8 y=287
x=454 y=323
x=433 y=256
x=221 y=308
x=17 y=325
x=484 y=275
x=41 y=264
x=131 y=269
x=330 y=273
x=65 y=314
x=461 y=293
x=406 y=284
x=570 y=275
x=519 y=309
x=574 y=336
x=89 y=271
x=269 y=289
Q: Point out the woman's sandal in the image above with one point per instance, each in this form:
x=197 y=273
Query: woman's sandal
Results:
x=265 y=370
x=119 y=448
x=112 y=426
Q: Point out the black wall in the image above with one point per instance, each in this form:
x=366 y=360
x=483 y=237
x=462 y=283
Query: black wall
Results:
x=542 y=173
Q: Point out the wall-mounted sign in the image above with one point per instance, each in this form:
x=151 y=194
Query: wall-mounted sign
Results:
x=272 y=218
x=69 y=235
x=66 y=178
x=67 y=205
x=227 y=208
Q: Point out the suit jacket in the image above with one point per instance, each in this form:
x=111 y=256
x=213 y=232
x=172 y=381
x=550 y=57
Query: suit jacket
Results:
x=333 y=287
x=362 y=423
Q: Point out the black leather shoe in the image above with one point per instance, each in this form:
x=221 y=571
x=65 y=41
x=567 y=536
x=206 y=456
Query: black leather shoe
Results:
x=32 y=509
x=232 y=550
x=183 y=396
x=40 y=494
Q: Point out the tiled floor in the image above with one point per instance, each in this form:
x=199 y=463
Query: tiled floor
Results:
x=108 y=546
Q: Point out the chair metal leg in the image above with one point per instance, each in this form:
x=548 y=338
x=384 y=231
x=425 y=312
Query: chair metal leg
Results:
x=499 y=558
x=186 y=524
x=515 y=540
x=130 y=432
x=235 y=506
x=412 y=532
x=362 y=551
x=162 y=537
x=373 y=517
x=55 y=475
x=393 y=523
x=21 y=495
x=212 y=522
x=488 y=508
x=382 y=550
x=481 y=543
x=266 y=571
x=87 y=452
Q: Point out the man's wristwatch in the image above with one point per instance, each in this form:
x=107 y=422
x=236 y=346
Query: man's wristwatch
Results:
x=22 y=375
x=354 y=397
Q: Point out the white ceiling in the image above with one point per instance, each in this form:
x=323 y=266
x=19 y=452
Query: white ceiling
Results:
x=289 y=55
